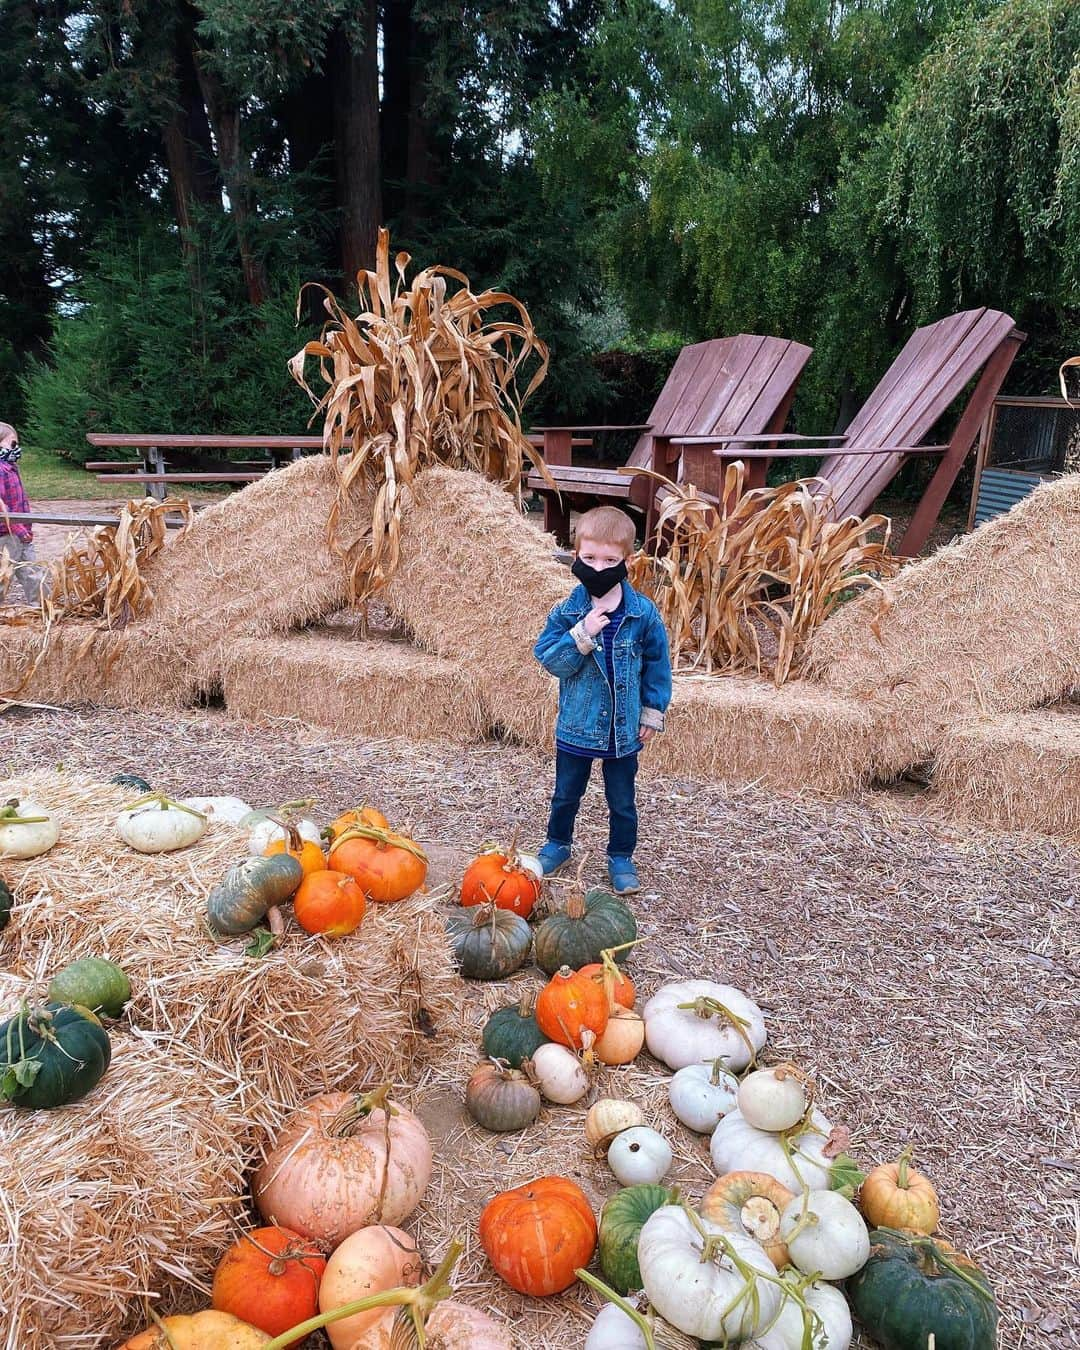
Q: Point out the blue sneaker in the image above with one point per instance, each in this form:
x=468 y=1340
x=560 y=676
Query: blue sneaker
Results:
x=624 y=877
x=553 y=856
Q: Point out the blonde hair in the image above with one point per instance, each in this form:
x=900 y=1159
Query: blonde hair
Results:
x=6 y=427
x=606 y=525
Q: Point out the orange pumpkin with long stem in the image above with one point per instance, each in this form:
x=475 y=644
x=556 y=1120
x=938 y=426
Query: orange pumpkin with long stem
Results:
x=569 y=1005
x=385 y=865
x=270 y=1278
x=330 y=903
x=359 y=815
x=500 y=879
x=306 y=852
x=894 y=1195
x=537 y=1235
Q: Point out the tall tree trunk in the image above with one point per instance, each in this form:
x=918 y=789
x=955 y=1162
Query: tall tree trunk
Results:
x=355 y=65
x=189 y=148
x=395 y=112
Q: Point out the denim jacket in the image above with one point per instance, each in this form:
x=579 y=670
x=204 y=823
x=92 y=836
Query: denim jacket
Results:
x=642 y=672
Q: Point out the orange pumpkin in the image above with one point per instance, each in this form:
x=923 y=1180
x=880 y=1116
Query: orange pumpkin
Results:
x=623 y=993
x=306 y=852
x=570 y=1004
x=499 y=879
x=537 y=1235
x=386 y=866
x=360 y=815
x=623 y=1037
x=894 y=1195
x=330 y=903
x=270 y=1278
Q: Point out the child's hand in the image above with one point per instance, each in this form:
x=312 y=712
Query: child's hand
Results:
x=646 y=734
x=595 y=622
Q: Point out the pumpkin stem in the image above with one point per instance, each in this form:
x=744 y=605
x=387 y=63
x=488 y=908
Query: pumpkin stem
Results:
x=152 y=1314
x=599 y=1287
x=712 y=1007
x=362 y=1105
x=930 y=1248
x=384 y=838
x=164 y=803
x=293 y=841
x=527 y=1004
x=714 y=1242
x=10 y=816
x=902 y=1164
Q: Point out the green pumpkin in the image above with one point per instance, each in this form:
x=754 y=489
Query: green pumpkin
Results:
x=489 y=943
x=131 y=780
x=914 y=1286
x=589 y=925
x=512 y=1033
x=92 y=983
x=621 y=1221
x=244 y=894
x=6 y=902
x=52 y=1055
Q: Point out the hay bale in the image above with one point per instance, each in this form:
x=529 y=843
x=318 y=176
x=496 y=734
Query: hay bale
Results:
x=983 y=626
x=352 y=686
x=743 y=731
x=1018 y=771
x=118 y=1196
x=309 y=1016
x=475 y=585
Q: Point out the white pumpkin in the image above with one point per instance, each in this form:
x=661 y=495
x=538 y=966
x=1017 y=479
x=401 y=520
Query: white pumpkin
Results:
x=640 y=1155
x=530 y=863
x=825 y=1235
x=829 y=1318
x=614 y=1330
x=558 y=1074
x=702 y=1094
x=265 y=832
x=160 y=826
x=26 y=828
x=718 y=1299
x=231 y=810
x=694 y=1020
x=737 y=1147
x=773 y=1099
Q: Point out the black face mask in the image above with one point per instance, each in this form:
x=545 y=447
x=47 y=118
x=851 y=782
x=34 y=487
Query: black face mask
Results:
x=598 y=583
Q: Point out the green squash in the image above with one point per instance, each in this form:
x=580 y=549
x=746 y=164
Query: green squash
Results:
x=52 y=1055
x=92 y=983
x=914 y=1286
x=577 y=935
x=621 y=1222
x=244 y=894
x=489 y=943
x=6 y=902
x=512 y=1033
x=131 y=780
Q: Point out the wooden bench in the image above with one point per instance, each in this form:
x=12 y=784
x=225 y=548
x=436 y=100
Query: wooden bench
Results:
x=51 y=518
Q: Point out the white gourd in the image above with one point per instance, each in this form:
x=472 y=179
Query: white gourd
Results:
x=713 y=1300
x=640 y=1156
x=825 y=1235
x=27 y=829
x=737 y=1147
x=830 y=1322
x=680 y=1035
x=265 y=832
x=613 y=1330
x=530 y=863
x=702 y=1094
x=160 y=826
x=559 y=1074
x=772 y=1099
x=230 y=810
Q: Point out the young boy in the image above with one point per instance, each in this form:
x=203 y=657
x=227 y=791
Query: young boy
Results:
x=16 y=536
x=608 y=646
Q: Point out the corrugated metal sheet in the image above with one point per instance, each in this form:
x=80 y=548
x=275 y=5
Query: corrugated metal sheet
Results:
x=1001 y=489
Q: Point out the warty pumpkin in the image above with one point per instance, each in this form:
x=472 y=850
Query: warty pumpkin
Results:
x=387 y=866
x=330 y=903
x=569 y=1005
x=270 y=1278
x=538 y=1234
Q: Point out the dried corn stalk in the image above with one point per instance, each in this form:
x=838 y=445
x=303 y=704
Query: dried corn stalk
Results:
x=742 y=583
x=419 y=376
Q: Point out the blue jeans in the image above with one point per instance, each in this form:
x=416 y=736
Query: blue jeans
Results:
x=571 y=776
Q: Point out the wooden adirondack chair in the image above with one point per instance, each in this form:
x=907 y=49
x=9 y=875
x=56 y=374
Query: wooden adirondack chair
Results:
x=937 y=363
x=727 y=387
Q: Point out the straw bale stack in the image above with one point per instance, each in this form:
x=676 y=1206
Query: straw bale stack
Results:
x=352 y=686
x=309 y=1016
x=741 y=731
x=122 y=1194
x=1018 y=771
x=475 y=585
x=983 y=626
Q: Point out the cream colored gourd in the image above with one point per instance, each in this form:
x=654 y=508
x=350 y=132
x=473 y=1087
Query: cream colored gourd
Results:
x=702 y=1094
x=559 y=1074
x=704 y=1281
x=228 y=810
x=773 y=1099
x=266 y=832
x=825 y=1235
x=828 y=1315
x=613 y=1330
x=452 y=1326
x=694 y=1020
x=737 y=1147
x=157 y=824
x=623 y=1038
x=369 y=1261
x=640 y=1156
x=27 y=829
x=608 y=1117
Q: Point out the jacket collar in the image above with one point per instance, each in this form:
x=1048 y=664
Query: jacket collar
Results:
x=578 y=601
